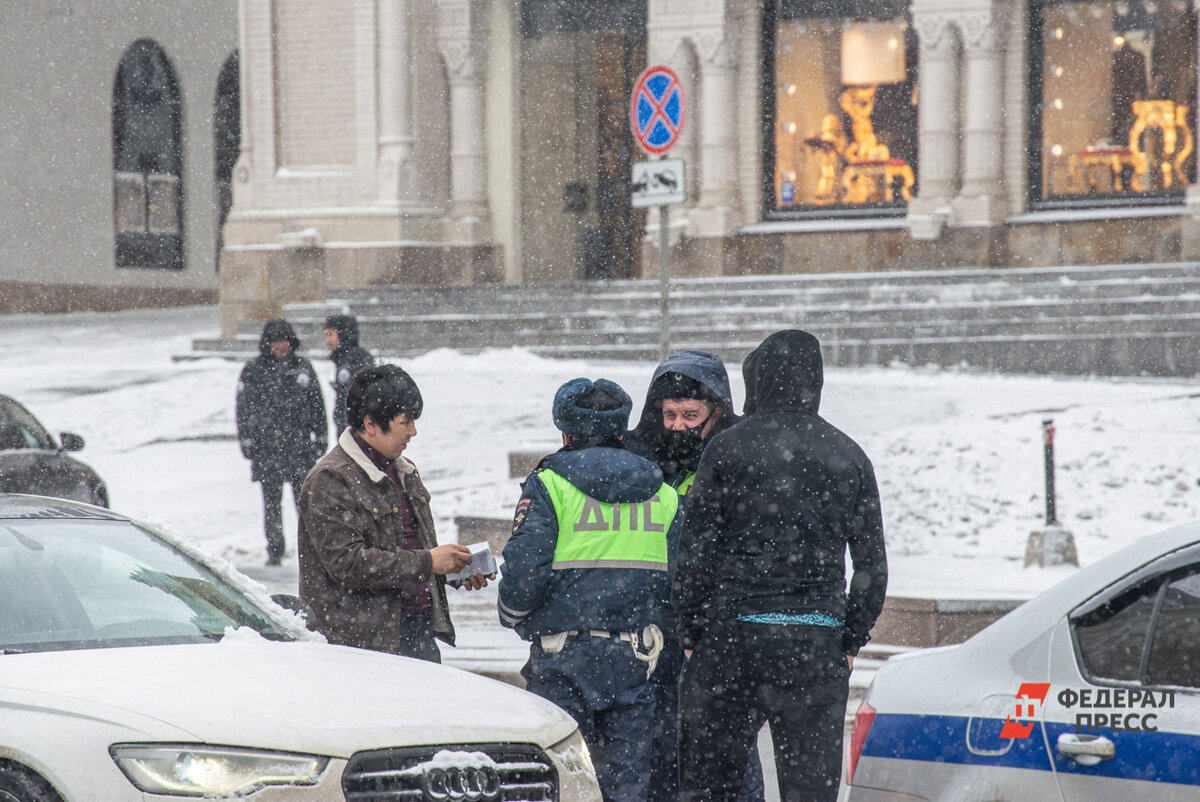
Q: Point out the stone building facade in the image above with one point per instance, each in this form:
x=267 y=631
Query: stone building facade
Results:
x=469 y=141
x=118 y=140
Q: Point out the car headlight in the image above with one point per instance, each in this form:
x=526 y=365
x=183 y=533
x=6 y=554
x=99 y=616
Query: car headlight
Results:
x=573 y=753
x=198 y=770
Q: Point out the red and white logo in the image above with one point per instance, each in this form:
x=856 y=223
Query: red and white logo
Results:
x=1030 y=697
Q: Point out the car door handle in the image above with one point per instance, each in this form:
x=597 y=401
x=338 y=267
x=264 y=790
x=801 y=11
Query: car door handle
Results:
x=1087 y=750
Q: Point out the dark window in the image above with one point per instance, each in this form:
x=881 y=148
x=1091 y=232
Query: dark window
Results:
x=1112 y=101
x=1112 y=638
x=840 y=107
x=147 y=160
x=1175 y=648
x=1149 y=633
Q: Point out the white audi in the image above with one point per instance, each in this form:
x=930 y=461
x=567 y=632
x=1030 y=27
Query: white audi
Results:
x=134 y=668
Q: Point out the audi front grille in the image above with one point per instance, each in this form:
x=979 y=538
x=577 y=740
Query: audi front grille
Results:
x=451 y=773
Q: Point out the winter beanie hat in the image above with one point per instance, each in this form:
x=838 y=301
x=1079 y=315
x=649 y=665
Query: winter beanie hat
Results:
x=583 y=408
x=346 y=327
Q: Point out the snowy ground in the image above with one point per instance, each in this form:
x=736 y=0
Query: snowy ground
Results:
x=958 y=455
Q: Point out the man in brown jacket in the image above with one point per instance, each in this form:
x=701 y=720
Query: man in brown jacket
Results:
x=371 y=572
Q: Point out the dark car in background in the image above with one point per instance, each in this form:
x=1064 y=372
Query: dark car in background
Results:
x=31 y=461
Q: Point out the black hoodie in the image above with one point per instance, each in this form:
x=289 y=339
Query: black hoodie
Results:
x=777 y=499
x=280 y=410
x=347 y=358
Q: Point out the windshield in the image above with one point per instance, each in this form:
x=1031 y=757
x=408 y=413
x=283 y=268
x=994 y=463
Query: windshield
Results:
x=78 y=584
x=19 y=429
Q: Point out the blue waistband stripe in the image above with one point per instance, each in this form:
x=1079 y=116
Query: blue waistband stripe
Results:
x=792 y=619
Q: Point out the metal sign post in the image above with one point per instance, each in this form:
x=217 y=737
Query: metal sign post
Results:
x=656 y=113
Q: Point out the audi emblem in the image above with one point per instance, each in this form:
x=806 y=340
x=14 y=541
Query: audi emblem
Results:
x=461 y=784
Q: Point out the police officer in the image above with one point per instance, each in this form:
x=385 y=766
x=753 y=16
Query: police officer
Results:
x=585 y=577
x=688 y=402
x=341 y=335
x=280 y=423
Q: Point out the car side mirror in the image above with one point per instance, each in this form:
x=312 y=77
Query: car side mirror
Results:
x=70 y=441
x=288 y=602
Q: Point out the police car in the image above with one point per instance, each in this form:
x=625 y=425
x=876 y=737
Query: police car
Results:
x=1090 y=691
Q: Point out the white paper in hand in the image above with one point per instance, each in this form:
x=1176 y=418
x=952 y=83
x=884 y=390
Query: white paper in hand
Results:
x=482 y=562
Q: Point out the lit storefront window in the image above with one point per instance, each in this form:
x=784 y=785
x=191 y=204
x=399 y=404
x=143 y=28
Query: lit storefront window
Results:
x=1118 y=99
x=845 y=105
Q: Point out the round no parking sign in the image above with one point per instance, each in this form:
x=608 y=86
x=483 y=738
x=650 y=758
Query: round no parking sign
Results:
x=656 y=109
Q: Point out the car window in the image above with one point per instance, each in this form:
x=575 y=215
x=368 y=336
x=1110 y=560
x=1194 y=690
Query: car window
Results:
x=85 y=584
x=1112 y=638
x=19 y=429
x=1175 y=647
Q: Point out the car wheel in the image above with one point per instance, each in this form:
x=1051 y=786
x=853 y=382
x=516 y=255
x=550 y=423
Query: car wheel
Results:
x=18 y=784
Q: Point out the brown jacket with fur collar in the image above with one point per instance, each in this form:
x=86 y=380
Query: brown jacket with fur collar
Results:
x=353 y=567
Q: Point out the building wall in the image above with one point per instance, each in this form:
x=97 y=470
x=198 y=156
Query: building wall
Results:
x=58 y=65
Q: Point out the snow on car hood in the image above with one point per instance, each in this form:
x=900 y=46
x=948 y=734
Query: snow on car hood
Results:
x=304 y=696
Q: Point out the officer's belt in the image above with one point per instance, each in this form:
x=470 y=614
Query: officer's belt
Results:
x=650 y=639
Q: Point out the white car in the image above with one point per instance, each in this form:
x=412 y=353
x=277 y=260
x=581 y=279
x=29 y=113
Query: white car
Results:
x=133 y=668
x=1090 y=691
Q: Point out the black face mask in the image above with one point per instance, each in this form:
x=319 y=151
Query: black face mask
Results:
x=684 y=443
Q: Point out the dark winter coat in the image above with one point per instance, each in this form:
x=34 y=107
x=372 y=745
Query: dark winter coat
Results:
x=354 y=570
x=776 y=501
x=537 y=600
x=347 y=358
x=280 y=411
x=647 y=438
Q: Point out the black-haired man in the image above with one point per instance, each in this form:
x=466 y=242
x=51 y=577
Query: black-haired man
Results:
x=371 y=572
x=280 y=422
x=341 y=335
x=585 y=578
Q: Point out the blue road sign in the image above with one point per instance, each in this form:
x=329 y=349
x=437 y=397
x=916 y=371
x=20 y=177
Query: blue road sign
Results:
x=657 y=109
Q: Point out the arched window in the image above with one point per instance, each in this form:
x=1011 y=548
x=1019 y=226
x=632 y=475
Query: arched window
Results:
x=227 y=140
x=147 y=160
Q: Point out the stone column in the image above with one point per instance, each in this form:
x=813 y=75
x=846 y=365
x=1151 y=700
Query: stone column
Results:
x=718 y=157
x=981 y=197
x=938 y=121
x=395 y=124
x=461 y=43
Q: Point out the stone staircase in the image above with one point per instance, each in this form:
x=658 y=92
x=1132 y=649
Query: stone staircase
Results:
x=1115 y=320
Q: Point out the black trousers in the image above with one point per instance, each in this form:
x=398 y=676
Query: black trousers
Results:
x=794 y=678
x=272 y=493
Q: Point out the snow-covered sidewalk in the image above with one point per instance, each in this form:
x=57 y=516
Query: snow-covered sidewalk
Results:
x=958 y=455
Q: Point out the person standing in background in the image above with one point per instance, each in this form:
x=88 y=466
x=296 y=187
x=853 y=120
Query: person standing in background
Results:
x=281 y=423
x=341 y=335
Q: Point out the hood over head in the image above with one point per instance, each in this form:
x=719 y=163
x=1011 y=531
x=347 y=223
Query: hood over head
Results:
x=346 y=327
x=785 y=372
x=686 y=374
x=274 y=330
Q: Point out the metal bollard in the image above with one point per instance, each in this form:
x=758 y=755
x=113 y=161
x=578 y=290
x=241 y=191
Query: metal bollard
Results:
x=1048 y=446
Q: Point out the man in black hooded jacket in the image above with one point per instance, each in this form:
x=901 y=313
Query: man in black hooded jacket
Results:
x=688 y=402
x=761 y=583
x=281 y=423
x=341 y=335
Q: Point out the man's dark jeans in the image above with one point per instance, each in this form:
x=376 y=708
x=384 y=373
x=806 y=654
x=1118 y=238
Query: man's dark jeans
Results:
x=272 y=493
x=794 y=678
